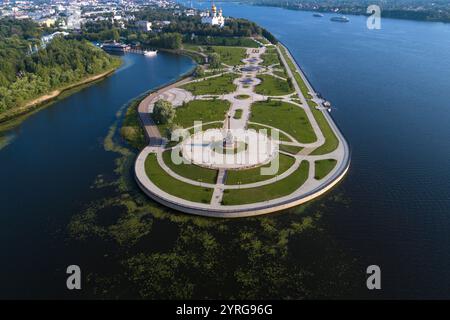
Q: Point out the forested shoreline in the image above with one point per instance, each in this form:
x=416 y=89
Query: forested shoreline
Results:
x=29 y=69
x=420 y=10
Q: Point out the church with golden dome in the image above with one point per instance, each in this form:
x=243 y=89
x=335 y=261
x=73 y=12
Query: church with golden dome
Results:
x=214 y=18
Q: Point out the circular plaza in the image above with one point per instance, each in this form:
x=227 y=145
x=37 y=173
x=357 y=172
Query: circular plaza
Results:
x=248 y=148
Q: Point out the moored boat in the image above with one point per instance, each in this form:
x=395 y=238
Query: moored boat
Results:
x=340 y=19
x=150 y=53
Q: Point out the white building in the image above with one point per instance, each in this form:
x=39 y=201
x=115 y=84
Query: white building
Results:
x=214 y=18
x=74 y=19
x=144 y=25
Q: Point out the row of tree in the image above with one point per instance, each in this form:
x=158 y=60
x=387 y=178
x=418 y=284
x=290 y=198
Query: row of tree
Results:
x=167 y=36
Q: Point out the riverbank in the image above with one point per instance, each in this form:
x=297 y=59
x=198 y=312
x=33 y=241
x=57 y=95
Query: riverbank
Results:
x=33 y=104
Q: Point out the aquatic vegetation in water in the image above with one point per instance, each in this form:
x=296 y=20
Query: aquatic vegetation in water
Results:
x=152 y=252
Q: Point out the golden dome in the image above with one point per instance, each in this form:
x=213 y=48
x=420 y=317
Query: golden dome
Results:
x=213 y=8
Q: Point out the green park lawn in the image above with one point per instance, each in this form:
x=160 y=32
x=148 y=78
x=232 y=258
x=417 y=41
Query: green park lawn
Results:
x=254 y=174
x=257 y=127
x=238 y=114
x=270 y=57
x=275 y=190
x=231 y=56
x=286 y=117
x=280 y=74
x=190 y=171
x=303 y=88
x=323 y=168
x=199 y=110
x=214 y=125
x=217 y=85
x=173 y=186
x=242 y=96
x=263 y=40
x=290 y=149
x=331 y=141
x=193 y=47
x=271 y=86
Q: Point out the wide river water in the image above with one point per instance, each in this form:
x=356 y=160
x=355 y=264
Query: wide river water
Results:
x=390 y=90
x=51 y=161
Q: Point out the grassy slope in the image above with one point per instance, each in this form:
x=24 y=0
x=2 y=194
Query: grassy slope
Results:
x=272 y=191
x=173 y=186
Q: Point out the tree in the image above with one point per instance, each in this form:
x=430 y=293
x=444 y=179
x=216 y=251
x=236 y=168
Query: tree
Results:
x=163 y=112
x=168 y=40
x=214 y=60
x=115 y=35
x=174 y=132
x=199 y=72
x=289 y=81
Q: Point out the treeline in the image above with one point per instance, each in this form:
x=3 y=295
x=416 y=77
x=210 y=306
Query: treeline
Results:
x=220 y=41
x=100 y=32
x=169 y=36
x=25 y=76
x=24 y=29
x=232 y=28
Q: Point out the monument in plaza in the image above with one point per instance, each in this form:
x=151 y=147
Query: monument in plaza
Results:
x=228 y=139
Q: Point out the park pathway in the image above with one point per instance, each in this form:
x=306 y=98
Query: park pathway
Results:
x=241 y=101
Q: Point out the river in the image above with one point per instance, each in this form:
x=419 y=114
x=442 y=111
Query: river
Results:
x=391 y=96
x=390 y=89
x=51 y=161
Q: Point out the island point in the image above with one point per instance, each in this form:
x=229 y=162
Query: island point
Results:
x=243 y=135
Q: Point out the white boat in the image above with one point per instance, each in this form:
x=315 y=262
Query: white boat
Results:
x=340 y=19
x=150 y=53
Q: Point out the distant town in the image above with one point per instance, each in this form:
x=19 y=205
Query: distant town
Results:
x=71 y=15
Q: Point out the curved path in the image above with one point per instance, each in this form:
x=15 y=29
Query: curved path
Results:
x=310 y=189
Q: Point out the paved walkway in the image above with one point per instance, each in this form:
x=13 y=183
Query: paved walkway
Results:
x=310 y=189
x=153 y=135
